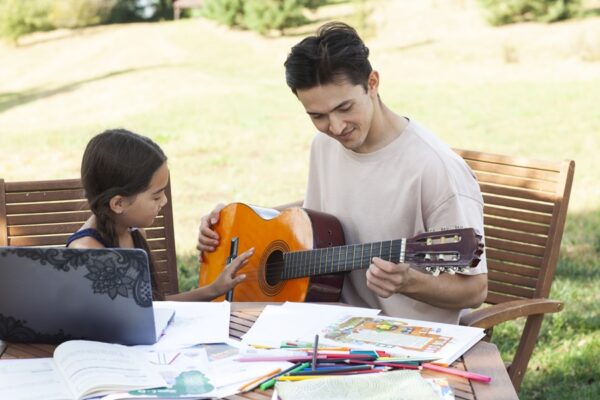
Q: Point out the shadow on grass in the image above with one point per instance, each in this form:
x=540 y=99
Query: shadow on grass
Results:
x=10 y=100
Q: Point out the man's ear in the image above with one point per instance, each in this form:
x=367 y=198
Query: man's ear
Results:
x=118 y=204
x=373 y=83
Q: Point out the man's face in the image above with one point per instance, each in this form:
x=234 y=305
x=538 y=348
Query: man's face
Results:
x=342 y=111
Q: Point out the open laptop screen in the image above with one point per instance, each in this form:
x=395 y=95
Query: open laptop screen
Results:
x=50 y=295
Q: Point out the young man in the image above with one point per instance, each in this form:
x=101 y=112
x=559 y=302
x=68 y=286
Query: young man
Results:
x=382 y=175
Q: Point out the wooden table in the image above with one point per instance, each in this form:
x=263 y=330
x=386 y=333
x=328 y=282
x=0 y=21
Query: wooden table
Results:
x=482 y=358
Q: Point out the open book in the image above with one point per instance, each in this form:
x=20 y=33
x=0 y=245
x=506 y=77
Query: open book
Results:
x=79 y=369
x=403 y=337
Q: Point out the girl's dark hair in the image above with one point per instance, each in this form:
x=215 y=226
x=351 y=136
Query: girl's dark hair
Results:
x=335 y=54
x=119 y=162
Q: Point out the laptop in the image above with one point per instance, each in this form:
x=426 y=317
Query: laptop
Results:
x=51 y=295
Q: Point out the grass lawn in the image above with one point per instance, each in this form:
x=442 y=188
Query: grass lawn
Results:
x=217 y=103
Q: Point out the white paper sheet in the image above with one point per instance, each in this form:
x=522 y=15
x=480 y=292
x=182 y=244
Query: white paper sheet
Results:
x=193 y=323
x=292 y=321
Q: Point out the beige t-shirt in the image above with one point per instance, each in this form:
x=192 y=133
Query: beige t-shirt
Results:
x=413 y=184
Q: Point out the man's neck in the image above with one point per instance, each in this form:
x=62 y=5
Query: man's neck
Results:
x=385 y=127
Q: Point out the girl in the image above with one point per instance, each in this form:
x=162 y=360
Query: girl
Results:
x=124 y=176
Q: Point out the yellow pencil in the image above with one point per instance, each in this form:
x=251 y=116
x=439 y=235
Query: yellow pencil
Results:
x=302 y=377
x=250 y=385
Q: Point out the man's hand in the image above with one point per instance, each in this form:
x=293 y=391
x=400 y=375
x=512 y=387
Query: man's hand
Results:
x=386 y=278
x=208 y=239
x=228 y=279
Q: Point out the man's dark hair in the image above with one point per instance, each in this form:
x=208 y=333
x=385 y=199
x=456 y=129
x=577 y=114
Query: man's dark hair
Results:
x=335 y=54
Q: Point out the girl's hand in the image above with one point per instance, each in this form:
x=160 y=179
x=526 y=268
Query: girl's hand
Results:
x=228 y=279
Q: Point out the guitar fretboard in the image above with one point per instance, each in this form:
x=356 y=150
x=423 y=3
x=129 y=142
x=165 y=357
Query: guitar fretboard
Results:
x=329 y=260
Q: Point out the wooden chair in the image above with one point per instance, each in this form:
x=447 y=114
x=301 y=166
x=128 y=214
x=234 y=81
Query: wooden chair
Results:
x=525 y=206
x=179 y=5
x=45 y=213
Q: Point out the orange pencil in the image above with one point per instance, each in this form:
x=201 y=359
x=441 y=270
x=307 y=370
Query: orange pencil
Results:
x=252 y=384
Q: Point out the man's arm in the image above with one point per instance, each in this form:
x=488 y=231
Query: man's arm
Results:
x=445 y=291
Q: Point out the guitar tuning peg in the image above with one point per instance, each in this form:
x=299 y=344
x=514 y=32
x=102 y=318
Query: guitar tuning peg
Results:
x=458 y=226
x=450 y=270
x=435 y=271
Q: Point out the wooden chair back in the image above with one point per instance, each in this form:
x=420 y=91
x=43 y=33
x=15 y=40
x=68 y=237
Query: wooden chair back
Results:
x=46 y=213
x=525 y=206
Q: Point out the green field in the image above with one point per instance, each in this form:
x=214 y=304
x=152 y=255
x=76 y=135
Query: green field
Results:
x=217 y=103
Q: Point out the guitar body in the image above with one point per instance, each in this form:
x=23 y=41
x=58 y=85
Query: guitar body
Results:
x=292 y=230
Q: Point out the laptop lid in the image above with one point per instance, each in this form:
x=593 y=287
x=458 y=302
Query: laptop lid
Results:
x=50 y=295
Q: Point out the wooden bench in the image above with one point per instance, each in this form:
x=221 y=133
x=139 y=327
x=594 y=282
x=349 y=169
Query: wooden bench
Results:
x=179 y=5
x=46 y=213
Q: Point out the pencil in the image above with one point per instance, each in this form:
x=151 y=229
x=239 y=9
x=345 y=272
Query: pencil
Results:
x=268 y=383
x=302 y=378
x=454 y=371
x=250 y=385
x=315 y=353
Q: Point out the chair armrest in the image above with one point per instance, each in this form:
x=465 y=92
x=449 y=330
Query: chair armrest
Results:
x=489 y=317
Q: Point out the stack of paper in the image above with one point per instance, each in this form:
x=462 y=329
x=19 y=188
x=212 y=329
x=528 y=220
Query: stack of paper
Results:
x=292 y=321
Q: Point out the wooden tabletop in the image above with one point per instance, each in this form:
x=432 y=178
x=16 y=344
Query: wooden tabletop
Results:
x=483 y=358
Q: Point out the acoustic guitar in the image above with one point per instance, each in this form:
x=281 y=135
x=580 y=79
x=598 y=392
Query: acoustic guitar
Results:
x=300 y=254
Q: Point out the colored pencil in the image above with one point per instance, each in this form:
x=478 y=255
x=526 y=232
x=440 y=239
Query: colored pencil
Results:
x=453 y=371
x=252 y=384
x=267 y=384
x=329 y=370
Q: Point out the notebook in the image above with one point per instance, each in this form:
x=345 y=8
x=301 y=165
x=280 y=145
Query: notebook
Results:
x=51 y=295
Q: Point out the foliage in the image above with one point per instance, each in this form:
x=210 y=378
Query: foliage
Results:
x=79 y=13
x=264 y=15
x=226 y=12
x=512 y=11
x=19 y=17
x=260 y=15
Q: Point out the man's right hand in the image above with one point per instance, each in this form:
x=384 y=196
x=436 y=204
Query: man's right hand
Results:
x=208 y=239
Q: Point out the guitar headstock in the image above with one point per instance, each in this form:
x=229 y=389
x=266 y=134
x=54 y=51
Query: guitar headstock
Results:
x=446 y=250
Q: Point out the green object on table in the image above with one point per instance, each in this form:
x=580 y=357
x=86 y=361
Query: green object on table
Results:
x=269 y=384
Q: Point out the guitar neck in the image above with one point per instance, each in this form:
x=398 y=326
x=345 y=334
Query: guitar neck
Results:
x=329 y=260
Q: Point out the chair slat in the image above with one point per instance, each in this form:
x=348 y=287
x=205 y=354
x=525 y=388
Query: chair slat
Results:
x=44 y=196
x=45 y=229
x=51 y=218
x=511 y=213
x=77 y=205
x=518 y=291
x=155 y=233
x=509 y=202
x=156 y=243
x=518 y=193
x=515 y=225
x=498 y=298
x=516 y=258
x=501 y=159
x=34 y=241
x=58 y=184
x=496 y=265
x=512 y=170
x=512 y=279
x=493 y=232
x=514 y=181
x=514 y=247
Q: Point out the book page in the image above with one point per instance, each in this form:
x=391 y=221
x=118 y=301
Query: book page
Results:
x=94 y=367
x=32 y=379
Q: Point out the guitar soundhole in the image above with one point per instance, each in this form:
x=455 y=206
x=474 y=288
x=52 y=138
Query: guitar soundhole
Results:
x=274 y=268
x=272 y=261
